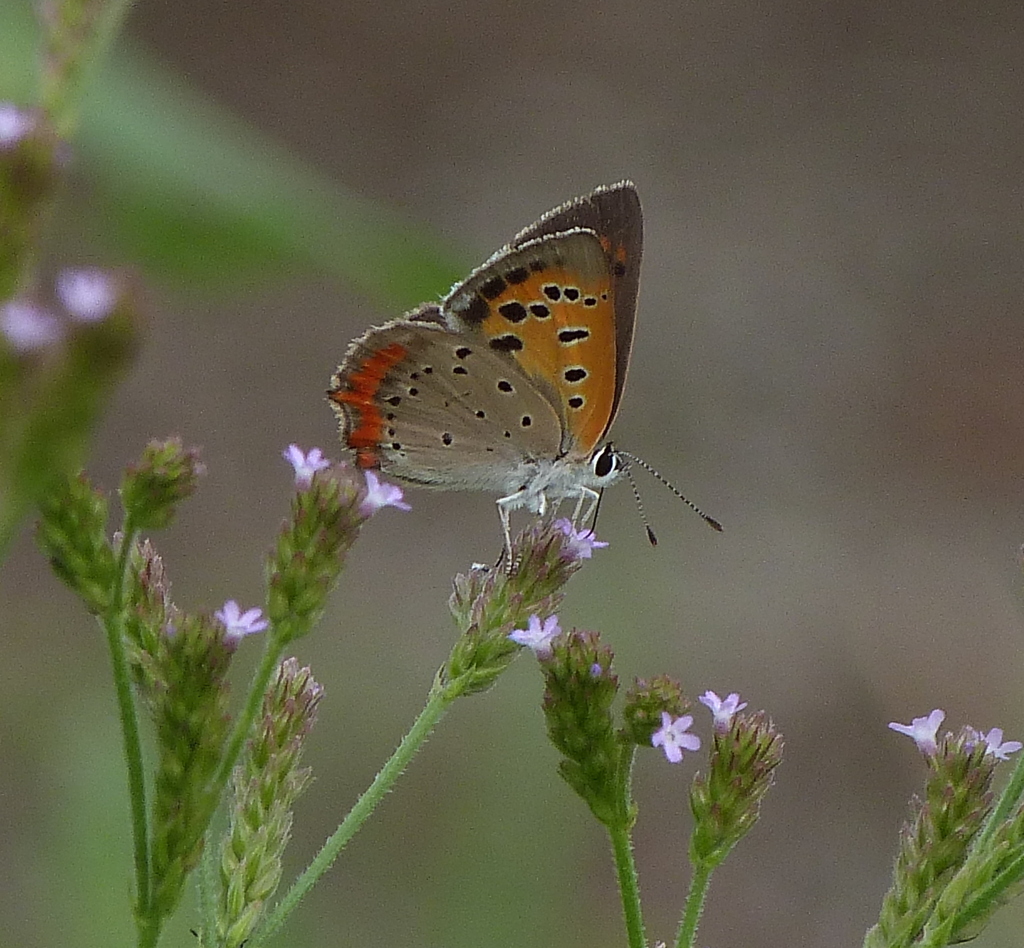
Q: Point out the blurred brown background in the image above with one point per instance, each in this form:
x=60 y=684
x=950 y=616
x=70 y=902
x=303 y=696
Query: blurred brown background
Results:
x=829 y=359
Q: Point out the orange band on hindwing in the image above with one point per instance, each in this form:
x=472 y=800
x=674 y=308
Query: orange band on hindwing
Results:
x=363 y=384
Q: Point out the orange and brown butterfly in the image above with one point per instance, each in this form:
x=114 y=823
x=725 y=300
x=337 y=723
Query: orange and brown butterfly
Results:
x=511 y=383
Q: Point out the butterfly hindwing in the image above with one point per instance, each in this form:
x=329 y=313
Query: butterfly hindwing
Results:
x=441 y=410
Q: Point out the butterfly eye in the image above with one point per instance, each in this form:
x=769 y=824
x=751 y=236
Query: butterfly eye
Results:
x=605 y=462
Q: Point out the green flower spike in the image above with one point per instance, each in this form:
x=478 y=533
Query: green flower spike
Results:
x=266 y=785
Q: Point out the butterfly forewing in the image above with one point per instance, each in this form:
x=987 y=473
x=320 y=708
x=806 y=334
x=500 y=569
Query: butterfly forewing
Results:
x=613 y=213
x=548 y=304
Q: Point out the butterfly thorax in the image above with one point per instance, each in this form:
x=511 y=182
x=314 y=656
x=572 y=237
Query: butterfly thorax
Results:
x=543 y=483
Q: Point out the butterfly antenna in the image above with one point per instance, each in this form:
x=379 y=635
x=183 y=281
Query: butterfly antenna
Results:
x=710 y=521
x=640 y=506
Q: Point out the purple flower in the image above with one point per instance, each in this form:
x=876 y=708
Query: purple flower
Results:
x=996 y=746
x=380 y=494
x=238 y=624
x=88 y=294
x=538 y=635
x=28 y=327
x=673 y=738
x=15 y=124
x=305 y=464
x=722 y=709
x=923 y=731
x=579 y=544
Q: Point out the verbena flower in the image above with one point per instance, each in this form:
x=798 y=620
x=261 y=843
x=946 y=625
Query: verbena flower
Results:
x=89 y=294
x=488 y=604
x=538 y=635
x=923 y=731
x=28 y=327
x=166 y=474
x=577 y=708
x=673 y=738
x=310 y=550
x=997 y=747
x=722 y=709
x=238 y=624
x=726 y=800
x=646 y=701
x=380 y=494
x=579 y=544
x=305 y=464
x=937 y=871
x=15 y=123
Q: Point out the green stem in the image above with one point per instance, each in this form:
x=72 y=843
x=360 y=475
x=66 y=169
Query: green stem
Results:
x=113 y=625
x=206 y=883
x=253 y=704
x=694 y=904
x=149 y=932
x=622 y=848
x=438 y=702
x=629 y=885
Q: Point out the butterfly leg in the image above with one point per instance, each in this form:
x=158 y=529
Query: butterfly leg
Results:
x=586 y=494
x=505 y=507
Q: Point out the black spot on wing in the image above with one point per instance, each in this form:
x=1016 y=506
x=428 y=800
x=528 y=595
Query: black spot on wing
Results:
x=514 y=312
x=507 y=343
x=569 y=336
x=476 y=310
x=493 y=287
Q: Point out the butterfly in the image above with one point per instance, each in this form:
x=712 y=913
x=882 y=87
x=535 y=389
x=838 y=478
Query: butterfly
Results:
x=511 y=382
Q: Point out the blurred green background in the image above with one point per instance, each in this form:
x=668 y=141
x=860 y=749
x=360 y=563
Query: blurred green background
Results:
x=829 y=359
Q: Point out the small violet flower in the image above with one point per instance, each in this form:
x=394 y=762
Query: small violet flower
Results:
x=306 y=464
x=538 y=635
x=380 y=494
x=238 y=624
x=722 y=709
x=88 y=294
x=673 y=738
x=923 y=731
x=998 y=748
x=28 y=327
x=579 y=544
x=15 y=124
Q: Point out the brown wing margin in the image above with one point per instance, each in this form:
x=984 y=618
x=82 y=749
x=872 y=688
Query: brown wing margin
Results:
x=613 y=213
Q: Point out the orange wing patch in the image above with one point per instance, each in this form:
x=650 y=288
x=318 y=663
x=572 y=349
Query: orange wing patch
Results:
x=549 y=304
x=357 y=394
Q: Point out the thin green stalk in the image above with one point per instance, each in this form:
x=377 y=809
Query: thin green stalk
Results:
x=629 y=885
x=694 y=905
x=149 y=932
x=113 y=625
x=206 y=883
x=437 y=704
x=622 y=848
